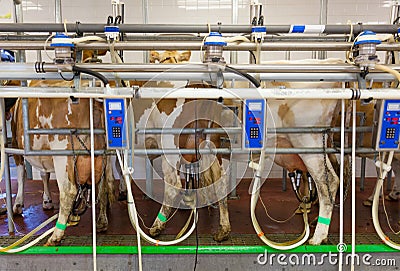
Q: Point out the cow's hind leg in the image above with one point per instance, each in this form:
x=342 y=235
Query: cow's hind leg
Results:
x=171 y=192
x=19 y=200
x=327 y=183
x=106 y=196
x=67 y=194
x=216 y=177
x=47 y=201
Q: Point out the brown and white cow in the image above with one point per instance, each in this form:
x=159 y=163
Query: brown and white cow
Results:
x=183 y=113
x=286 y=113
x=46 y=113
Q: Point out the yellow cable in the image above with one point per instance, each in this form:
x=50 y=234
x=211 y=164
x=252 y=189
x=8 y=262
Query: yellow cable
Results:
x=20 y=241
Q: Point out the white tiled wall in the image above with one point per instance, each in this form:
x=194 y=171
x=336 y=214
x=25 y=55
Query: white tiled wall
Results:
x=207 y=11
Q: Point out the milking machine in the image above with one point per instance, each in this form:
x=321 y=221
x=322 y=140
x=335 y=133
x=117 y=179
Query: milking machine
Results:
x=254 y=139
x=387 y=141
x=387 y=136
x=119 y=124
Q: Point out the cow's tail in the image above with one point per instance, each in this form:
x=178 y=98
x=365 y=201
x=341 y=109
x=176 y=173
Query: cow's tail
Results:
x=346 y=168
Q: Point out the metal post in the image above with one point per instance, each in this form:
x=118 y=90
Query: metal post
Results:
x=145 y=11
x=284 y=179
x=323 y=18
x=233 y=162
x=362 y=176
x=389 y=181
x=7 y=176
x=235 y=17
x=25 y=118
x=233 y=179
x=58 y=11
x=94 y=237
x=27 y=146
x=394 y=12
x=149 y=178
x=21 y=57
x=287 y=55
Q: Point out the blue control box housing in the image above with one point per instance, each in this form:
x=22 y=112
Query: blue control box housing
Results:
x=115 y=123
x=389 y=126
x=254 y=123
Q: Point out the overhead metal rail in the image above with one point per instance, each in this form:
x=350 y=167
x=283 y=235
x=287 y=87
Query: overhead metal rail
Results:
x=7 y=67
x=182 y=37
x=197 y=76
x=191 y=45
x=238 y=130
x=183 y=72
x=228 y=130
x=182 y=76
x=203 y=93
x=143 y=152
x=187 y=28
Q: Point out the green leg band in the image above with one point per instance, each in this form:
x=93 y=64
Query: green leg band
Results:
x=61 y=226
x=162 y=217
x=324 y=220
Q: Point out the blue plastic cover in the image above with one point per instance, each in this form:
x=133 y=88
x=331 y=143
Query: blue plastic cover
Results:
x=7 y=56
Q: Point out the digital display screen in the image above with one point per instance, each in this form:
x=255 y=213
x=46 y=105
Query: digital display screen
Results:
x=393 y=106
x=114 y=106
x=255 y=106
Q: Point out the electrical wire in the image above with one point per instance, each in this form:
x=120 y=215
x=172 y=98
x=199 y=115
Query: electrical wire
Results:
x=247 y=76
x=277 y=220
x=92 y=73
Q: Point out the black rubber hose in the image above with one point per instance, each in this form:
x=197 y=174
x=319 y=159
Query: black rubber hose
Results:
x=254 y=81
x=90 y=72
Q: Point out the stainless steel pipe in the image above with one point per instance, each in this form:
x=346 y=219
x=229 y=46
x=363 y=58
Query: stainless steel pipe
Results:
x=187 y=28
x=188 y=45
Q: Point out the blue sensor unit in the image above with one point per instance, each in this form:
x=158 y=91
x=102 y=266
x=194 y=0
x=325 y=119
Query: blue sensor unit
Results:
x=389 y=126
x=116 y=123
x=254 y=123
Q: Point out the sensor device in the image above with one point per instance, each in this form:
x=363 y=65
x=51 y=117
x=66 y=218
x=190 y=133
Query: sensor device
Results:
x=116 y=129
x=254 y=123
x=389 y=126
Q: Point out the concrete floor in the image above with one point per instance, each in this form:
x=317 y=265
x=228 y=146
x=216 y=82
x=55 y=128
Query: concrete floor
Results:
x=280 y=205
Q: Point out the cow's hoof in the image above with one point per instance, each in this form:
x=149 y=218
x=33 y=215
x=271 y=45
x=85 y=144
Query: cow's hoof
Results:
x=391 y=198
x=155 y=231
x=101 y=228
x=52 y=243
x=101 y=225
x=47 y=205
x=367 y=203
x=315 y=242
x=122 y=196
x=73 y=220
x=222 y=235
x=17 y=209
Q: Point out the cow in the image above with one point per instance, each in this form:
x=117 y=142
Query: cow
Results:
x=72 y=172
x=286 y=113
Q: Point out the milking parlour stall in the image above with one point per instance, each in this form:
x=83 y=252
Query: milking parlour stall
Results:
x=199 y=135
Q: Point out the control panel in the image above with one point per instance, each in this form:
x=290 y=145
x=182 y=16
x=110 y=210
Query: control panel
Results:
x=388 y=126
x=115 y=123
x=254 y=123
